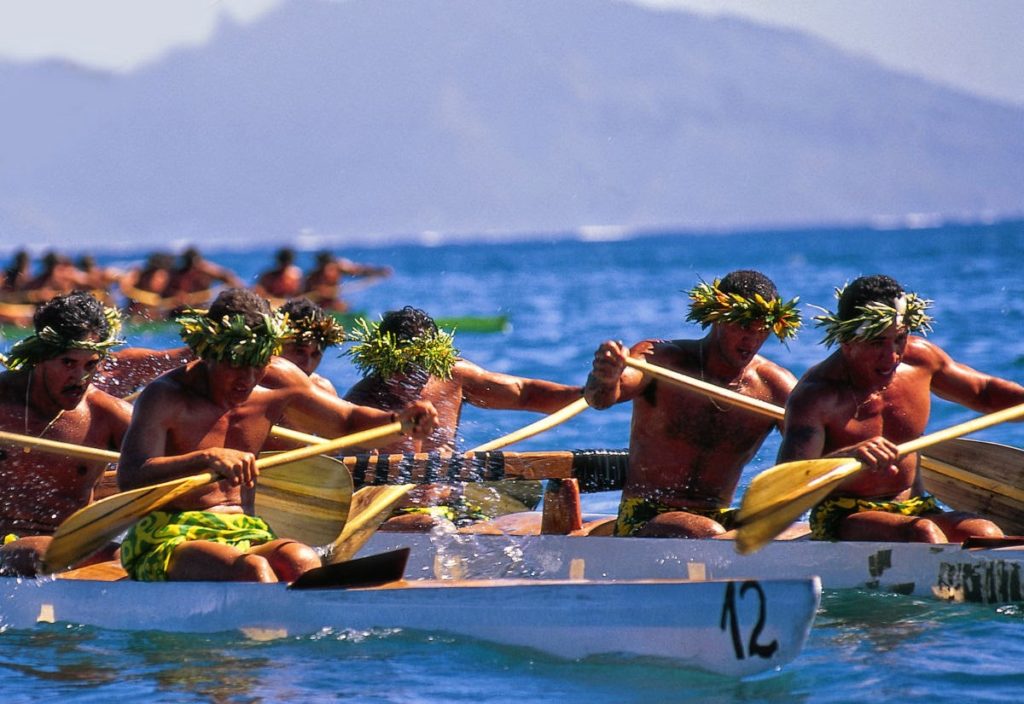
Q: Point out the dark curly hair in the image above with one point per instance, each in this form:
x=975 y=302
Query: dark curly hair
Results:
x=877 y=288
x=74 y=316
x=407 y=323
x=747 y=282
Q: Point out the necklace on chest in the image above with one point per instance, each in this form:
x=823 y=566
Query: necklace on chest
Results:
x=870 y=406
x=733 y=385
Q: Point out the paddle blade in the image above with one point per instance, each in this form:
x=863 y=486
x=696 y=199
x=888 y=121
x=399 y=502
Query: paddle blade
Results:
x=776 y=484
x=978 y=477
x=90 y=528
x=371 y=506
x=760 y=529
x=306 y=500
x=365 y=572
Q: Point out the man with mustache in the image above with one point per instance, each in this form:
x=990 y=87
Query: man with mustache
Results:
x=46 y=392
x=686 y=452
x=871 y=394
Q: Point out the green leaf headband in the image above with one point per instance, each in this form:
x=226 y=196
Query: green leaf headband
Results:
x=232 y=340
x=323 y=332
x=712 y=305
x=381 y=354
x=48 y=343
x=875 y=318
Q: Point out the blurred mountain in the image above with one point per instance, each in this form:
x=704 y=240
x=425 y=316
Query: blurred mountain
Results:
x=375 y=118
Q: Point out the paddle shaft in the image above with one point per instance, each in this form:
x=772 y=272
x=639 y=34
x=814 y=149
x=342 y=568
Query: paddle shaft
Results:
x=559 y=416
x=717 y=392
x=546 y=423
x=317 y=445
x=60 y=448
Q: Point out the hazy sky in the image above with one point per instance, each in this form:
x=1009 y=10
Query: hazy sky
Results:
x=974 y=45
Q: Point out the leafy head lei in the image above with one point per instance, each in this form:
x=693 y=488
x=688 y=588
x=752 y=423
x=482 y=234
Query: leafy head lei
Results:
x=712 y=305
x=874 y=318
x=49 y=343
x=383 y=354
x=231 y=339
x=312 y=326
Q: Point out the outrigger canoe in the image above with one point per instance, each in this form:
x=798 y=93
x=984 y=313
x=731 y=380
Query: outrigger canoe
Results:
x=729 y=627
x=987 y=573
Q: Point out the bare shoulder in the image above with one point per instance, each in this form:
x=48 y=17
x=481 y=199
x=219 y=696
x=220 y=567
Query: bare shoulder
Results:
x=108 y=411
x=779 y=380
x=922 y=353
x=662 y=351
x=817 y=391
x=283 y=374
x=101 y=401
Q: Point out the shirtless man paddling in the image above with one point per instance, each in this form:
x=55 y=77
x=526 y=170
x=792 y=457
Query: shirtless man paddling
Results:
x=47 y=393
x=871 y=394
x=686 y=452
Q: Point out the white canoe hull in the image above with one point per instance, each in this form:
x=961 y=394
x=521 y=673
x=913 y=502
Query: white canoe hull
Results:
x=730 y=628
x=945 y=571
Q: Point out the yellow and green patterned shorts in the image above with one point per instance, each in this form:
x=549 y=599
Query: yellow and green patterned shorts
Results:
x=826 y=516
x=634 y=513
x=147 y=549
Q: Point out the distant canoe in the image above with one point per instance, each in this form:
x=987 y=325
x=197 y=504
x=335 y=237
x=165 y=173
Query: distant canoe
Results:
x=461 y=323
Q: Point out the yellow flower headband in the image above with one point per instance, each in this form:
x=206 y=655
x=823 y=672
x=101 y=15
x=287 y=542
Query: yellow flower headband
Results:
x=709 y=304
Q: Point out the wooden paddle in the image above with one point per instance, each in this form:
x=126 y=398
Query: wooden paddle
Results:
x=979 y=477
x=716 y=392
x=371 y=506
x=90 y=528
x=546 y=423
x=294 y=502
x=55 y=447
x=370 y=571
x=779 y=495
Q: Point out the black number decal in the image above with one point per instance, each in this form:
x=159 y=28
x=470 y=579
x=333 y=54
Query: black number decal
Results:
x=730 y=617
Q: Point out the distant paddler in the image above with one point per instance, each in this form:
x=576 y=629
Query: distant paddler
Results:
x=284 y=280
x=213 y=415
x=311 y=332
x=323 y=284
x=47 y=393
x=190 y=284
x=687 y=451
x=873 y=393
x=405 y=357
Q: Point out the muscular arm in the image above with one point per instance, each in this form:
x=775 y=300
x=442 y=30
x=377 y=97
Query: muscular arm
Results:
x=319 y=412
x=803 y=436
x=961 y=384
x=487 y=389
x=610 y=380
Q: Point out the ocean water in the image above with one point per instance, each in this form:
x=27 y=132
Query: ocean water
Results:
x=563 y=297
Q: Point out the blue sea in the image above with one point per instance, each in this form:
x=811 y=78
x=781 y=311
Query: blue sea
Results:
x=562 y=298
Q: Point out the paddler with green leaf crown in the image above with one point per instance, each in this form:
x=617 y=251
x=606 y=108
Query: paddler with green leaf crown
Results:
x=47 y=392
x=213 y=415
x=686 y=451
x=868 y=396
x=405 y=357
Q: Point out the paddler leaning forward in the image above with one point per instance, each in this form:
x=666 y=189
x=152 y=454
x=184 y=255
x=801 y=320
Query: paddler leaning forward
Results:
x=686 y=452
x=213 y=414
x=47 y=392
x=872 y=393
